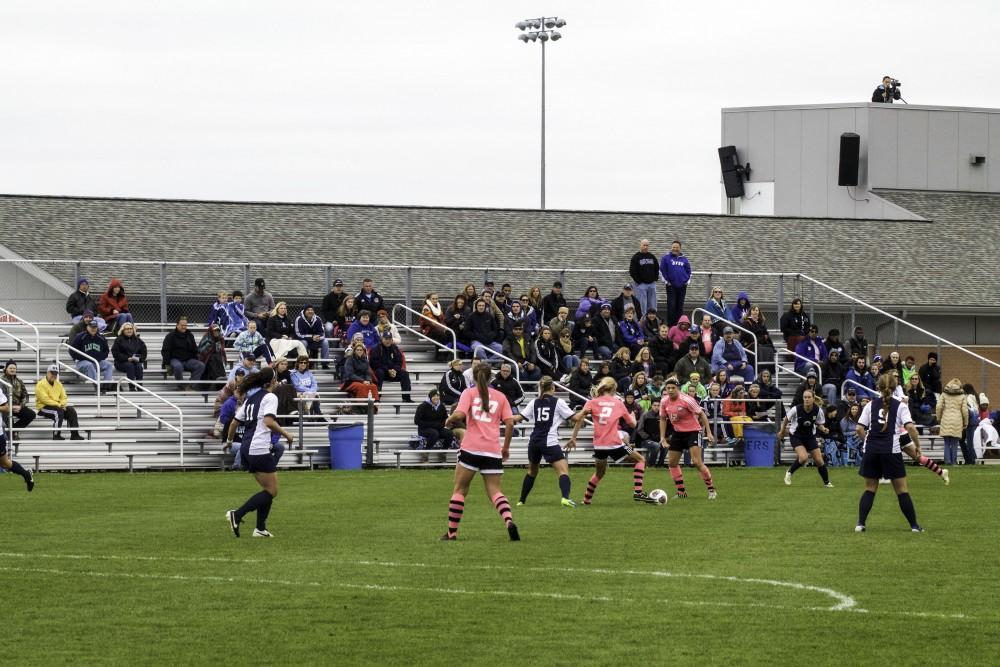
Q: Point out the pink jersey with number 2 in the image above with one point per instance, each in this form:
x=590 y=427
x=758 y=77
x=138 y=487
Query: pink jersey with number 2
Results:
x=682 y=412
x=482 y=432
x=605 y=411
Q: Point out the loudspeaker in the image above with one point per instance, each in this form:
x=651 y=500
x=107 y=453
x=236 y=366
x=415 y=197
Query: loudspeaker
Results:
x=850 y=152
x=732 y=177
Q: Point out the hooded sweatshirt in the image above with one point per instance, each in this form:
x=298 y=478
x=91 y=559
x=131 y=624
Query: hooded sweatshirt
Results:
x=741 y=308
x=677 y=335
x=108 y=303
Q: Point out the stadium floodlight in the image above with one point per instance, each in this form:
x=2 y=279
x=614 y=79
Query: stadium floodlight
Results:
x=533 y=36
x=550 y=23
x=544 y=36
x=523 y=38
x=556 y=36
x=521 y=25
x=560 y=23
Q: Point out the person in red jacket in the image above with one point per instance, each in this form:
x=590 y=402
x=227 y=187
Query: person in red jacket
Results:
x=113 y=306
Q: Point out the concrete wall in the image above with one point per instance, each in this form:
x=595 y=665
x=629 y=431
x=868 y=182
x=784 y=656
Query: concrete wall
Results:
x=30 y=297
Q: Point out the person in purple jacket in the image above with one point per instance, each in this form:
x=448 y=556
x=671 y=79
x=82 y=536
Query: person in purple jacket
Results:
x=676 y=271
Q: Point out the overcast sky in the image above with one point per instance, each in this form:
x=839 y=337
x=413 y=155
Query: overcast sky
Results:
x=436 y=102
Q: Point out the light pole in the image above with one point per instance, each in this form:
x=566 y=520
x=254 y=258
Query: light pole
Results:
x=541 y=30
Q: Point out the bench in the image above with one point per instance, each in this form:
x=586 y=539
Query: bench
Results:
x=83 y=461
x=110 y=442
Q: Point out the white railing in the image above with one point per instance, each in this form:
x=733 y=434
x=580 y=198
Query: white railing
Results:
x=179 y=429
x=73 y=369
x=38 y=340
x=420 y=334
x=862 y=389
x=755 y=350
x=811 y=362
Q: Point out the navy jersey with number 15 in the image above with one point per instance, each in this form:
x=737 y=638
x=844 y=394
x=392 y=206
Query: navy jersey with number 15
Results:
x=547 y=413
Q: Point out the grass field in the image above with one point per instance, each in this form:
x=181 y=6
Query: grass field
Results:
x=143 y=569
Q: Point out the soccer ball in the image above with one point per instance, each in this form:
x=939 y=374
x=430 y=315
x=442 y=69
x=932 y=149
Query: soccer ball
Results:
x=658 y=496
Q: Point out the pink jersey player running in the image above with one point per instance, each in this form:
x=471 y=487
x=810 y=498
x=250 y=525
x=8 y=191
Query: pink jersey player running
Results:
x=483 y=410
x=605 y=410
x=688 y=420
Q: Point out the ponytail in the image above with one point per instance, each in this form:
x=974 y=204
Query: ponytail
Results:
x=886 y=384
x=254 y=380
x=546 y=385
x=482 y=374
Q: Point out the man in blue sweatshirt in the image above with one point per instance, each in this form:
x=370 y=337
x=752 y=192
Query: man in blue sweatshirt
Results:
x=91 y=343
x=676 y=271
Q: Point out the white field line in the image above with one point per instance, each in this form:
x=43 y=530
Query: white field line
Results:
x=844 y=603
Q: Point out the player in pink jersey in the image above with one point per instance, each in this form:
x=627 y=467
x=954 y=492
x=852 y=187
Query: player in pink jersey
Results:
x=687 y=419
x=483 y=410
x=605 y=410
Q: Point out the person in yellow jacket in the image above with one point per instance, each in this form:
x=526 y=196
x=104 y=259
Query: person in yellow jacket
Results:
x=52 y=403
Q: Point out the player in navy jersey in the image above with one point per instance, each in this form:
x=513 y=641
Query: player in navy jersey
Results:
x=6 y=462
x=802 y=422
x=879 y=426
x=547 y=413
x=258 y=415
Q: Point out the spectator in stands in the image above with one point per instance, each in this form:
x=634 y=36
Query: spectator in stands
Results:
x=251 y=341
x=310 y=331
x=811 y=383
x=52 y=403
x=389 y=365
x=23 y=415
x=456 y=318
x=756 y=325
x=363 y=325
x=621 y=369
x=212 y=353
x=647 y=432
x=429 y=419
x=129 y=353
x=260 y=303
x=908 y=370
x=507 y=290
x=623 y=301
x=180 y=352
x=643 y=362
x=709 y=334
x=692 y=362
x=330 y=308
x=630 y=333
x=922 y=403
x=219 y=312
x=663 y=349
x=876 y=367
x=860 y=375
x=794 y=324
x=644 y=271
x=811 y=347
x=757 y=407
x=633 y=408
x=731 y=355
x=930 y=373
x=306 y=387
x=226 y=402
x=113 y=306
x=282 y=370
x=650 y=325
x=832 y=343
x=567 y=351
x=734 y=409
x=452 y=383
x=561 y=321
x=90 y=343
x=606 y=332
x=82 y=300
x=347 y=314
x=522 y=351
x=469 y=291
x=532 y=325
x=585 y=340
x=580 y=382
x=590 y=304
x=725 y=382
x=769 y=391
x=535 y=301
x=483 y=331
x=547 y=355
x=603 y=371
x=280 y=333
x=434 y=326
x=368 y=299
x=506 y=383
x=832 y=372
x=893 y=363
x=516 y=315
x=858 y=343
x=680 y=332
x=953 y=417
x=741 y=309
x=383 y=324
x=972 y=407
x=717 y=308
x=849 y=427
x=676 y=272
x=247 y=366
x=552 y=302
x=81 y=325
x=237 y=315
x=694 y=380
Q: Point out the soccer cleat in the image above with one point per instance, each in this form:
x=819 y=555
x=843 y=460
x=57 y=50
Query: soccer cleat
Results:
x=945 y=476
x=520 y=503
x=712 y=495
x=257 y=532
x=566 y=502
x=512 y=531
x=788 y=478
x=448 y=537
x=640 y=497
x=860 y=528
x=30 y=481
x=233 y=523
x=681 y=494
x=916 y=529
x=828 y=485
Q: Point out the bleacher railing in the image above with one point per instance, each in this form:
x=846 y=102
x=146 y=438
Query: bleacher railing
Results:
x=405 y=324
x=120 y=397
x=14 y=319
x=808 y=362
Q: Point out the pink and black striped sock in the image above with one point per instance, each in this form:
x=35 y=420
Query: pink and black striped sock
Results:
x=503 y=508
x=591 y=487
x=930 y=465
x=706 y=475
x=678 y=479
x=637 y=476
x=456 y=506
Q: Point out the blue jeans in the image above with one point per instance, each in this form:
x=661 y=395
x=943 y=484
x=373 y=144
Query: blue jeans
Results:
x=323 y=346
x=481 y=351
x=570 y=361
x=87 y=368
x=950 y=450
x=195 y=367
x=645 y=294
x=122 y=319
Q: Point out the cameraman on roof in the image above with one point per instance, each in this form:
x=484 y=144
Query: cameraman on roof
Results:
x=887 y=91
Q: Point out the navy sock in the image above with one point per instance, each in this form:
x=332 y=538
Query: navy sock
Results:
x=16 y=468
x=795 y=466
x=564 y=484
x=867 y=500
x=253 y=503
x=263 y=511
x=824 y=473
x=909 y=511
x=526 y=486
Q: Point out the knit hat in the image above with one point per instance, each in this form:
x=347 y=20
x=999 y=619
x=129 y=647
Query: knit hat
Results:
x=984 y=399
x=386 y=334
x=338 y=283
x=81 y=281
x=307 y=306
x=10 y=362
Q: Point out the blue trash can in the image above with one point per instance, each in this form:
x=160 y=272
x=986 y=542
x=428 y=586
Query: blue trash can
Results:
x=759 y=446
x=345 y=446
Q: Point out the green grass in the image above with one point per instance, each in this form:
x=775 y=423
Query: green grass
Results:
x=142 y=569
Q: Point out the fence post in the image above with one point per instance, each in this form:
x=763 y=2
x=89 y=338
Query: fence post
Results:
x=408 y=288
x=708 y=287
x=562 y=277
x=812 y=301
x=329 y=278
x=370 y=444
x=486 y=275
x=781 y=294
x=895 y=330
x=76 y=270
x=163 y=292
x=246 y=279
x=302 y=429
x=982 y=379
x=854 y=308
